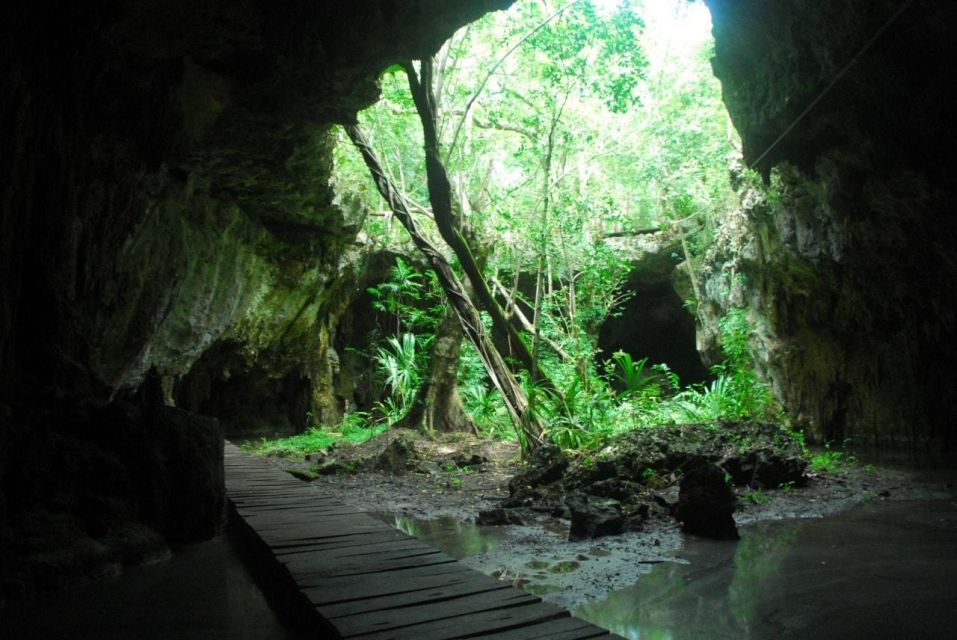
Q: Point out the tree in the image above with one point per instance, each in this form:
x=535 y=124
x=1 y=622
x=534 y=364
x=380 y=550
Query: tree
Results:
x=529 y=428
x=437 y=405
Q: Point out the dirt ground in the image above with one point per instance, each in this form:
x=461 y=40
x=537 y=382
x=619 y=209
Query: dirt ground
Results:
x=450 y=479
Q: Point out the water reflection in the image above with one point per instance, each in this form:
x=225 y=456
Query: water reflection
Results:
x=205 y=591
x=714 y=596
x=882 y=571
x=759 y=559
x=454 y=537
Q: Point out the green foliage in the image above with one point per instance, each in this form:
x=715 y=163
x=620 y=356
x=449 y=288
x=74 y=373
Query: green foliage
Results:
x=588 y=409
x=411 y=299
x=456 y=472
x=736 y=392
x=450 y=466
x=410 y=296
x=756 y=496
x=832 y=460
x=590 y=126
x=355 y=428
x=399 y=362
x=481 y=400
x=633 y=375
x=581 y=40
x=577 y=415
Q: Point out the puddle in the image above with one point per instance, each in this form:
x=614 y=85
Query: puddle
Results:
x=451 y=535
x=880 y=571
x=540 y=560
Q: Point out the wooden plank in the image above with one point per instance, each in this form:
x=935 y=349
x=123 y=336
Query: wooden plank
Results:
x=429 y=611
x=390 y=546
x=454 y=587
x=290 y=535
x=357 y=540
x=311 y=569
x=472 y=625
x=557 y=629
x=353 y=541
x=371 y=581
x=343 y=588
x=362 y=595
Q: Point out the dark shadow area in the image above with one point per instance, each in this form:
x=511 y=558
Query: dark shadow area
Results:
x=248 y=399
x=654 y=324
x=205 y=591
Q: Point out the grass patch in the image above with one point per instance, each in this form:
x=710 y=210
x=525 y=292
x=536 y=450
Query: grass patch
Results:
x=356 y=428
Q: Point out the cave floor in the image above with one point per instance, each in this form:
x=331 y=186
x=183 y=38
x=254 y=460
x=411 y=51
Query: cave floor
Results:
x=866 y=553
x=870 y=551
x=205 y=591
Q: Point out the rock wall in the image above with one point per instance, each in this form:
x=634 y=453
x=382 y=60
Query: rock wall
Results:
x=169 y=176
x=846 y=257
x=166 y=192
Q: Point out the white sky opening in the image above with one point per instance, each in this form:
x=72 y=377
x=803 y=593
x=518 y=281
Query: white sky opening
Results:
x=672 y=27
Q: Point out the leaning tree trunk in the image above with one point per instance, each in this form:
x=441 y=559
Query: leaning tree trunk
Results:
x=440 y=197
x=437 y=405
x=530 y=429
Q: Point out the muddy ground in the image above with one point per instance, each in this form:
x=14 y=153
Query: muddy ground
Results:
x=436 y=488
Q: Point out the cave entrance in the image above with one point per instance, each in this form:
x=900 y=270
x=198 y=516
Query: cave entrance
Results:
x=582 y=142
x=654 y=324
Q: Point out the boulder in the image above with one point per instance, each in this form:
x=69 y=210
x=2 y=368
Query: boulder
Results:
x=546 y=466
x=398 y=456
x=497 y=517
x=765 y=469
x=594 y=517
x=705 y=504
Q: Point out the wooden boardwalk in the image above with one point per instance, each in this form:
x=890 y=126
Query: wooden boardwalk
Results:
x=365 y=579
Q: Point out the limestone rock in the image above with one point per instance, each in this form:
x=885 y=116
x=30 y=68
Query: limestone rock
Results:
x=497 y=517
x=594 y=517
x=546 y=465
x=705 y=504
x=842 y=257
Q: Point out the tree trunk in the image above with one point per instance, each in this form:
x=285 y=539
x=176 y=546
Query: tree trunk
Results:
x=440 y=196
x=528 y=426
x=437 y=405
x=517 y=315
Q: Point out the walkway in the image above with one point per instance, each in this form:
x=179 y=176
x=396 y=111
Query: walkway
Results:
x=365 y=579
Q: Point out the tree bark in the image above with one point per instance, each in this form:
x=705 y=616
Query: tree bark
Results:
x=530 y=429
x=437 y=405
x=440 y=196
x=513 y=311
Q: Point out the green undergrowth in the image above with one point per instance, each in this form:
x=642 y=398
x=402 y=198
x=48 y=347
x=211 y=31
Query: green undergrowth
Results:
x=831 y=460
x=355 y=429
x=588 y=407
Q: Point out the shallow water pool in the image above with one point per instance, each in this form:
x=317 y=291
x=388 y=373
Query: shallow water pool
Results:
x=882 y=570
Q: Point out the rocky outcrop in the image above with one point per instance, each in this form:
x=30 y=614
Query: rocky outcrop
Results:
x=168 y=178
x=844 y=259
x=620 y=485
x=705 y=504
